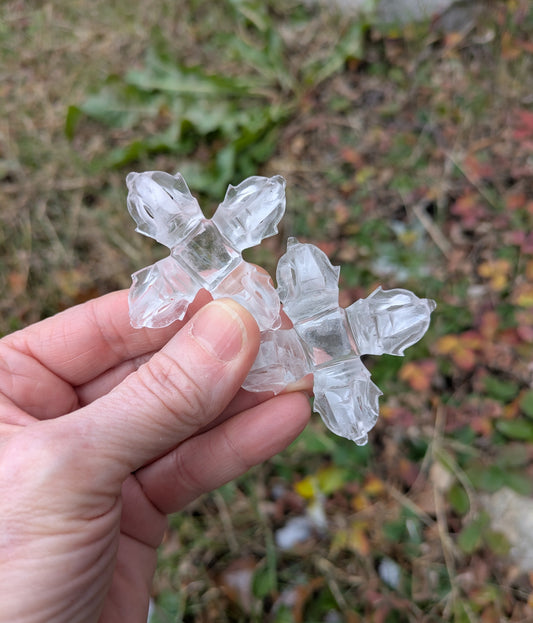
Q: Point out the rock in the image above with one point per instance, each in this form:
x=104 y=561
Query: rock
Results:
x=404 y=11
x=450 y=15
x=390 y=10
x=512 y=515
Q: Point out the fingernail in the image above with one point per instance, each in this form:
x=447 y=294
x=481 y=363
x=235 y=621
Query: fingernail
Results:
x=219 y=330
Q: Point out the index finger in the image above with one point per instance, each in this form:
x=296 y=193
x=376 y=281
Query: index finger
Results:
x=85 y=341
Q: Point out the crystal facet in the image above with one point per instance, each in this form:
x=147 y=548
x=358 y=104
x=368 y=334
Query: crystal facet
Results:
x=203 y=253
x=332 y=339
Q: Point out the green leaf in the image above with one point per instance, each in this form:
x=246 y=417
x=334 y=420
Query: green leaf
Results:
x=284 y=615
x=516 y=429
x=497 y=542
x=394 y=531
x=458 y=499
x=519 y=482
x=471 y=536
x=350 y=45
x=264 y=582
x=488 y=478
x=461 y=611
x=158 y=143
x=74 y=113
x=118 y=106
x=169 y=606
x=331 y=479
x=504 y=391
x=254 y=12
x=526 y=403
x=512 y=455
x=161 y=75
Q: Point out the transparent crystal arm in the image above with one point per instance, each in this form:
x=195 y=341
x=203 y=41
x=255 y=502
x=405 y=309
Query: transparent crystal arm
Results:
x=254 y=290
x=346 y=399
x=281 y=360
x=160 y=294
x=251 y=211
x=307 y=281
x=389 y=321
x=162 y=206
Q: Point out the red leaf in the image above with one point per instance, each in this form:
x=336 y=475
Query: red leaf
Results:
x=469 y=209
x=477 y=170
x=524 y=127
x=418 y=374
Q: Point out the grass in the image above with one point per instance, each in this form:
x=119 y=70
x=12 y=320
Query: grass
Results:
x=407 y=153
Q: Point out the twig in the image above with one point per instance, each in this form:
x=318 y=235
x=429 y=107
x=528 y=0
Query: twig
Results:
x=410 y=505
x=227 y=524
x=442 y=523
x=471 y=181
x=432 y=229
x=325 y=566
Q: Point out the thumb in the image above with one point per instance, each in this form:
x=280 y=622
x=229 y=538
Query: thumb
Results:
x=178 y=391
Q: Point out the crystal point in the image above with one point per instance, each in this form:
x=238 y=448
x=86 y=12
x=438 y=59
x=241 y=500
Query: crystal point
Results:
x=346 y=399
x=389 y=321
x=251 y=211
x=162 y=206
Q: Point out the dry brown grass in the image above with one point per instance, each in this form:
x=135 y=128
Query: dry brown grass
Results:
x=64 y=232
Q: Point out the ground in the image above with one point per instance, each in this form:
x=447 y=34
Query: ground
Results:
x=407 y=153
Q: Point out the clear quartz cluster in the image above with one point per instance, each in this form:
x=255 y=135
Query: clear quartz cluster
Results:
x=203 y=253
x=325 y=340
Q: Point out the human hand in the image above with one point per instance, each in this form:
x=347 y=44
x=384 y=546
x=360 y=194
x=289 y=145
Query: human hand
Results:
x=103 y=431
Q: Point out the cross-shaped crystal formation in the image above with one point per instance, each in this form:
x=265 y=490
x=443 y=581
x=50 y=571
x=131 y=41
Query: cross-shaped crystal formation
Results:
x=327 y=340
x=203 y=253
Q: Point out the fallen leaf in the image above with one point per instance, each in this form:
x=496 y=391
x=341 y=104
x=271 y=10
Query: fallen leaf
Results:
x=17 y=282
x=418 y=374
x=236 y=581
x=523 y=295
x=447 y=344
x=297 y=597
x=524 y=126
x=355 y=538
x=374 y=486
x=331 y=479
x=460 y=348
x=476 y=169
x=469 y=209
x=351 y=156
x=482 y=425
x=510 y=48
x=497 y=272
x=360 y=501
x=515 y=201
x=307 y=487
x=489 y=325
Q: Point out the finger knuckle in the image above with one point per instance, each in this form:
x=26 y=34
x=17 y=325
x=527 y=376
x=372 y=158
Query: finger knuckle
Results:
x=186 y=477
x=171 y=387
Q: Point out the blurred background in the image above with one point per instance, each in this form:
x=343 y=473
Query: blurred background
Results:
x=405 y=133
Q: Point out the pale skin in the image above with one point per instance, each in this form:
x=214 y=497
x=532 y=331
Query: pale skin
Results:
x=104 y=431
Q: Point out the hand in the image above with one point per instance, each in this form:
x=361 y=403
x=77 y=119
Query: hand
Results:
x=104 y=430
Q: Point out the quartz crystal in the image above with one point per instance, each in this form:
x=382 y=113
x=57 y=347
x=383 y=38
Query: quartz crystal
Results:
x=203 y=253
x=327 y=340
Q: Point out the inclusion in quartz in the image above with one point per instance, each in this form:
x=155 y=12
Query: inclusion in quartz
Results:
x=327 y=340
x=203 y=253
